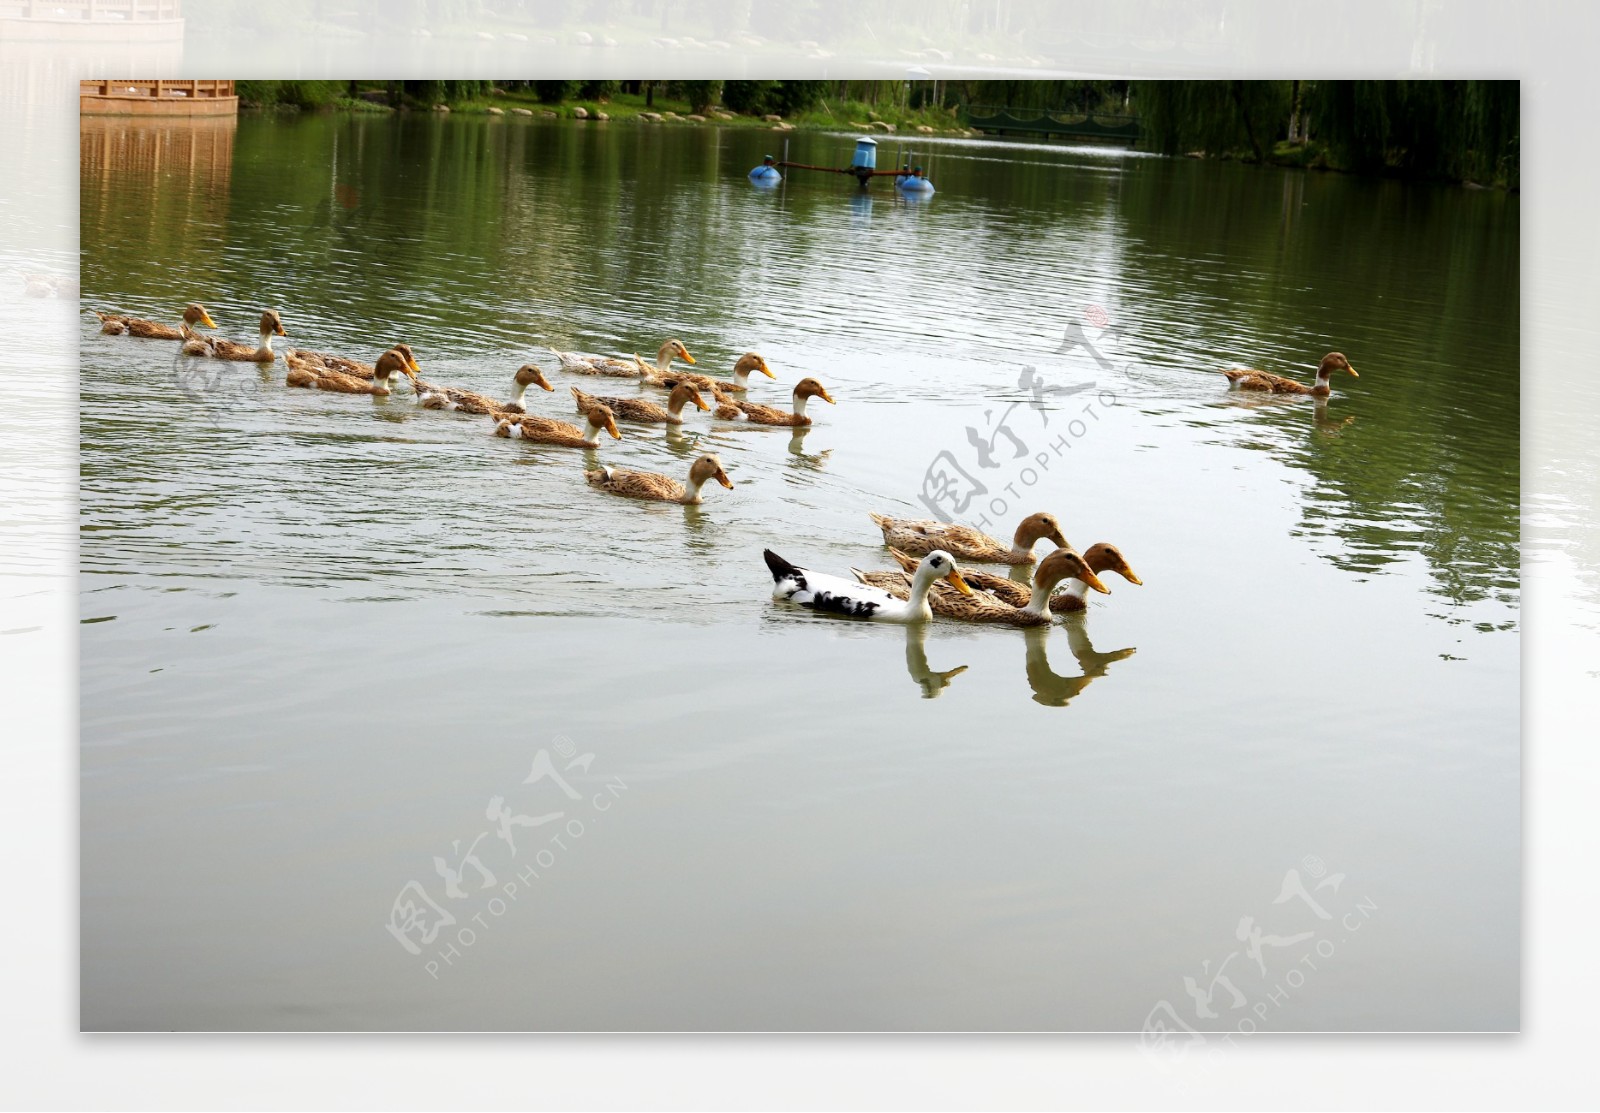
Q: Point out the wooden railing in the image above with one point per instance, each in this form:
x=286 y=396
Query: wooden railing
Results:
x=104 y=10
x=122 y=87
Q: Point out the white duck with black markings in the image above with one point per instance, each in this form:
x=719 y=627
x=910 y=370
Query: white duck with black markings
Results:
x=819 y=591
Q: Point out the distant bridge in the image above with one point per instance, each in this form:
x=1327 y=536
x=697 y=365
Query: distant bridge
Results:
x=999 y=119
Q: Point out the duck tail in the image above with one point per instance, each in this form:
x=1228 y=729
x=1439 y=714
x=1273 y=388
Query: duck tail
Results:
x=906 y=562
x=1234 y=374
x=779 y=567
x=881 y=520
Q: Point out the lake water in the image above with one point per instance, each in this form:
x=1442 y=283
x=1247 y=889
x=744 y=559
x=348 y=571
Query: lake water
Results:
x=341 y=656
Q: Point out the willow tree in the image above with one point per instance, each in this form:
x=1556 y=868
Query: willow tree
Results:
x=1217 y=117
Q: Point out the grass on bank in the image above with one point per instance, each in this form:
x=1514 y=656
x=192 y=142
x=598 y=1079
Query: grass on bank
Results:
x=379 y=97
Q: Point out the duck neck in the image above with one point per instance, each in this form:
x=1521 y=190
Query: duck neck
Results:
x=591 y=433
x=1039 y=601
x=675 y=409
x=517 y=394
x=800 y=401
x=921 y=584
x=691 y=490
x=664 y=359
x=1323 y=386
x=1077 y=589
x=266 y=341
x=741 y=378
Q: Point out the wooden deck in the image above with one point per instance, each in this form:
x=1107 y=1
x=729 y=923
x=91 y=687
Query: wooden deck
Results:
x=123 y=97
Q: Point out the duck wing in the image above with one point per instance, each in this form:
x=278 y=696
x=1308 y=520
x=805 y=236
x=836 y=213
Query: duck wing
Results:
x=831 y=594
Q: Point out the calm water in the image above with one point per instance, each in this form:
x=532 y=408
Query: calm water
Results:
x=327 y=638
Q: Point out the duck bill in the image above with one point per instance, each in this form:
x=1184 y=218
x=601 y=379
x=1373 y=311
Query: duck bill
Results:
x=722 y=478
x=546 y=384
x=1352 y=371
x=1127 y=574
x=1093 y=581
x=611 y=427
x=412 y=364
x=828 y=398
x=700 y=403
x=765 y=370
x=955 y=581
x=687 y=358
x=205 y=319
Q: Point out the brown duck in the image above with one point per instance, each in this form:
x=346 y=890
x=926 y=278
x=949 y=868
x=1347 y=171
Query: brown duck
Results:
x=660 y=488
x=271 y=325
x=1247 y=379
x=547 y=430
x=642 y=409
x=981 y=606
x=919 y=536
x=730 y=410
x=434 y=397
x=1100 y=557
x=117 y=324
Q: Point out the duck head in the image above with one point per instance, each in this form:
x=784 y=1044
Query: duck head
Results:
x=529 y=374
x=752 y=361
x=1335 y=361
x=682 y=395
x=1066 y=563
x=272 y=324
x=410 y=360
x=1108 y=558
x=391 y=363
x=600 y=417
x=1036 y=527
x=940 y=565
x=811 y=388
x=195 y=314
x=705 y=469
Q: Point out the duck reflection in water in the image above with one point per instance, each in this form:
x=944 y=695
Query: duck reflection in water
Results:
x=1049 y=687
x=813 y=461
x=1324 y=424
x=931 y=682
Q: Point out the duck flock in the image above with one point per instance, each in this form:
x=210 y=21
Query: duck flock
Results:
x=928 y=580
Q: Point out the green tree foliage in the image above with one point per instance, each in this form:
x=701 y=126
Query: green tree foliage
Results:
x=785 y=98
x=1218 y=117
x=290 y=94
x=554 y=92
x=747 y=96
x=599 y=90
x=1451 y=130
x=1434 y=129
x=701 y=95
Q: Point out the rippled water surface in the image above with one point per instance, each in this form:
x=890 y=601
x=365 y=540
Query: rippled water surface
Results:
x=334 y=646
